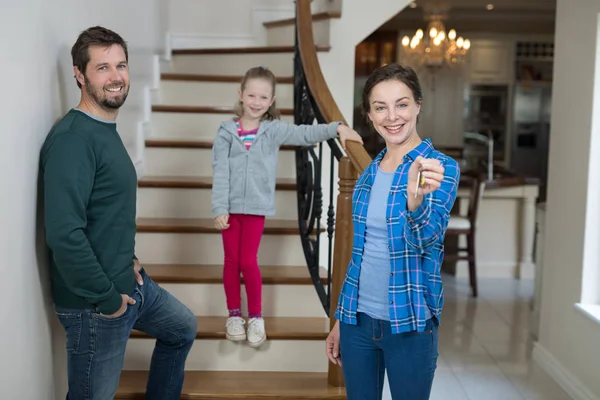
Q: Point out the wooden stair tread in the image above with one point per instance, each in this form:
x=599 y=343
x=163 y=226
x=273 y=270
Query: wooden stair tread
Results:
x=323 y=15
x=213 y=274
x=243 y=50
x=227 y=385
x=193 y=144
x=205 y=109
x=278 y=328
x=198 y=182
x=174 y=76
x=206 y=225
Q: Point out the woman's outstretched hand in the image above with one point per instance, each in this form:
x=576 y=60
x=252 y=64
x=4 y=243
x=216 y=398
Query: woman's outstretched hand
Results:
x=347 y=133
x=332 y=345
x=431 y=176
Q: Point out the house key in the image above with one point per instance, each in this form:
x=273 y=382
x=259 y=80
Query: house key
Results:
x=420 y=181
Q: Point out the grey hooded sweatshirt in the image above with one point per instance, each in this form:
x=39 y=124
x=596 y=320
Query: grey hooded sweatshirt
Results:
x=244 y=180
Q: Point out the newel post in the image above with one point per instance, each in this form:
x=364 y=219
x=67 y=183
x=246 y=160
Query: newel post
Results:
x=342 y=248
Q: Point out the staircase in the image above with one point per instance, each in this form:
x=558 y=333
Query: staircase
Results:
x=182 y=251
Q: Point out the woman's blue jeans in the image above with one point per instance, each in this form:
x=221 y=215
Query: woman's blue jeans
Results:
x=369 y=348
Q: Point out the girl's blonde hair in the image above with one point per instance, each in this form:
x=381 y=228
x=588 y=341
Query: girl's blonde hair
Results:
x=259 y=73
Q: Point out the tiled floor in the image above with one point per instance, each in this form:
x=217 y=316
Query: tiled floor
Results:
x=485 y=348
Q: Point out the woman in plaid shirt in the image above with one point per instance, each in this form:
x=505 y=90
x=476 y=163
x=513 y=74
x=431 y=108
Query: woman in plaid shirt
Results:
x=390 y=305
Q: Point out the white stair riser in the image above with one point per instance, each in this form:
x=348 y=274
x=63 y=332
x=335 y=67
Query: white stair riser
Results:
x=213 y=94
x=196 y=203
x=198 y=162
x=199 y=248
x=223 y=355
x=191 y=126
x=284 y=35
x=281 y=64
x=278 y=300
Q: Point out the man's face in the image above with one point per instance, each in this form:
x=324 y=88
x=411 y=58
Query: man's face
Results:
x=106 y=78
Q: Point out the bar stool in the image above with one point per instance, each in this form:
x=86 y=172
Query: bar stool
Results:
x=467 y=226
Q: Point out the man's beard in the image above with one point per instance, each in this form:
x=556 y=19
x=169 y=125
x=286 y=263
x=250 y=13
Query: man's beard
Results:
x=99 y=97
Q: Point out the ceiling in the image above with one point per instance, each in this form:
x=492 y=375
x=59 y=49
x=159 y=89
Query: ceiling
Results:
x=470 y=16
x=501 y=5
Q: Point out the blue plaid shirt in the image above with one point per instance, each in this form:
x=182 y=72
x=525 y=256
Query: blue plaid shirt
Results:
x=415 y=242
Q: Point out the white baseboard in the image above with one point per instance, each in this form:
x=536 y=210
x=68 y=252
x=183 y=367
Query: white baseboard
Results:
x=143 y=131
x=156 y=71
x=526 y=270
x=139 y=168
x=168 y=47
x=498 y=269
x=208 y=41
x=489 y=269
x=573 y=386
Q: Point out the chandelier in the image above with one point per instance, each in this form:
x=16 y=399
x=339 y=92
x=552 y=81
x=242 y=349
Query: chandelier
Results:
x=436 y=50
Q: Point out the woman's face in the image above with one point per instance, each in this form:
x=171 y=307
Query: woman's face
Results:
x=393 y=111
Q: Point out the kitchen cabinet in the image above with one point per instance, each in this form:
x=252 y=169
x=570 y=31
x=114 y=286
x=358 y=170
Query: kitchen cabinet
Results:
x=491 y=62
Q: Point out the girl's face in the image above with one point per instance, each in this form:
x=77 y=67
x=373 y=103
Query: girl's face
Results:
x=256 y=98
x=393 y=111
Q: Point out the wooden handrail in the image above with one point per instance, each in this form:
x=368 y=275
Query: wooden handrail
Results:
x=317 y=85
x=350 y=166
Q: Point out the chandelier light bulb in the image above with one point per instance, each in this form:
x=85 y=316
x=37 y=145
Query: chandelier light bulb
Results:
x=439 y=49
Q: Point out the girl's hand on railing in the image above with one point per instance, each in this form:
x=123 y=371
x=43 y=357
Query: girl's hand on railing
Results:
x=332 y=345
x=222 y=222
x=347 y=133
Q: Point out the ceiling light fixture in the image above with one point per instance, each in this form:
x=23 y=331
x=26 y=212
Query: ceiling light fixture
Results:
x=490 y=7
x=434 y=48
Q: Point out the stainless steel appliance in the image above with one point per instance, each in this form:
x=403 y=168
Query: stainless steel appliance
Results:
x=486 y=108
x=531 y=131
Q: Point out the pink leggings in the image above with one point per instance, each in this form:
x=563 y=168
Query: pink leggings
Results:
x=240 y=245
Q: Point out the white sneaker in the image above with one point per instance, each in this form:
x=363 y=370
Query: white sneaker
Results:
x=256 y=332
x=235 y=329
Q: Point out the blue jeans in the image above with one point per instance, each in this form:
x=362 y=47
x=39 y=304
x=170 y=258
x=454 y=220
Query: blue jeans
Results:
x=369 y=348
x=96 y=344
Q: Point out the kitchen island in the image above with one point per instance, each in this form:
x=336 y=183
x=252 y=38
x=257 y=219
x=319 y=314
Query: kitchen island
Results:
x=504 y=239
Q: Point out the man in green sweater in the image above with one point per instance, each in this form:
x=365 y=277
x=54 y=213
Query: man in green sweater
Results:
x=100 y=290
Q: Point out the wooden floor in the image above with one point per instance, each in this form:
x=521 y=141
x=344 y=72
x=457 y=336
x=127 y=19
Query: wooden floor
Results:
x=220 y=385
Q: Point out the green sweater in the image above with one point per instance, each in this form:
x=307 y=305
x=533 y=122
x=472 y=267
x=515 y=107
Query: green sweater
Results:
x=90 y=188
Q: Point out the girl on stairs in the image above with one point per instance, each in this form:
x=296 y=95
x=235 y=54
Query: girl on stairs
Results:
x=244 y=159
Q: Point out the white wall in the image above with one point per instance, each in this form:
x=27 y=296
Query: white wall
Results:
x=569 y=341
x=37 y=89
x=209 y=23
x=359 y=20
